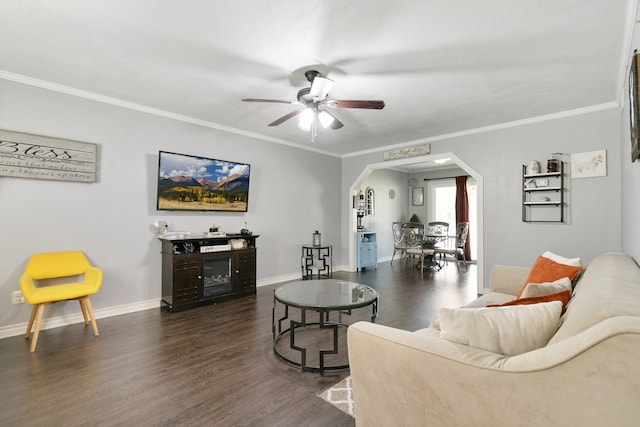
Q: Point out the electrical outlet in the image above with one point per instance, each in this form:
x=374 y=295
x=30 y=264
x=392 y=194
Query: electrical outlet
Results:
x=17 y=298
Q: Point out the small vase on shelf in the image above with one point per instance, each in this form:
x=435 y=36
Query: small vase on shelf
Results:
x=533 y=168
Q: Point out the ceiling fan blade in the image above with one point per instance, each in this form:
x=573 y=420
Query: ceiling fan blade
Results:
x=336 y=124
x=320 y=87
x=286 y=117
x=266 y=100
x=372 y=104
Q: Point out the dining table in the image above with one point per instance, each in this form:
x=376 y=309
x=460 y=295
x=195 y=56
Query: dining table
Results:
x=432 y=242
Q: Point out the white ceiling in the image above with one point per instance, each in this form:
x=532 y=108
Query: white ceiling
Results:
x=440 y=66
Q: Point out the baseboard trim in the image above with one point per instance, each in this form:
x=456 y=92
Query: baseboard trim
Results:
x=278 y=279
x=70 y=319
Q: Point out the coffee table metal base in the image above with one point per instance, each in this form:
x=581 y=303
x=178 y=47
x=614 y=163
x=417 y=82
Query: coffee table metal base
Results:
x=280 y=331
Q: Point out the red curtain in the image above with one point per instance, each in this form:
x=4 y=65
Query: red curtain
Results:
x=462 y=209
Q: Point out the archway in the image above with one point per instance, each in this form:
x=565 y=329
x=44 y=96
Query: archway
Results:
x=421 y=159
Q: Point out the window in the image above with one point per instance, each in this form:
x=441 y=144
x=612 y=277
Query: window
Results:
x=441 y=202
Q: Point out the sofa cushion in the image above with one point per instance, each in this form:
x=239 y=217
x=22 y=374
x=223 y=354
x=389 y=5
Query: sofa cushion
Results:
x=576 y=262
x=562 y=296
x=547 y=270
x=481 y=301
x=508 y=330
x=547 y=288
x=609 y=287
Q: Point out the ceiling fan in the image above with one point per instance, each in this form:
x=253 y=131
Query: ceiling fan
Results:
x=316 y=105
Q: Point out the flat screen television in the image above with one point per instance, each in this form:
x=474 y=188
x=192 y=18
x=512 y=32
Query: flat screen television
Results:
x=194 y=183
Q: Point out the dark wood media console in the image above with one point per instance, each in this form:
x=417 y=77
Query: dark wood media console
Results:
x=204 y=270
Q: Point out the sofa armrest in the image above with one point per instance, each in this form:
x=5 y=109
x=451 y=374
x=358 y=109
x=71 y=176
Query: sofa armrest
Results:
x=405 y=378
x=507 y=279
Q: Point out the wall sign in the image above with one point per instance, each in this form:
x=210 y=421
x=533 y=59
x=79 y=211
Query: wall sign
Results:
x=401 y=153
x=23 y=155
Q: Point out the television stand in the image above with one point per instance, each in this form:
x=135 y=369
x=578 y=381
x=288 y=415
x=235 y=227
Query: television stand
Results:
x=198 y=271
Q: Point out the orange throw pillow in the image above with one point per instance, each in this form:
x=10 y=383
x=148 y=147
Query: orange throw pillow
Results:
x=547 y=270
x=562 y=296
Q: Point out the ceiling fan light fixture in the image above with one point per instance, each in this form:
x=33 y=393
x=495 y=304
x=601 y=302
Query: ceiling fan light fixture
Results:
x=305 y=119
x=325 y=118
x=316 y=105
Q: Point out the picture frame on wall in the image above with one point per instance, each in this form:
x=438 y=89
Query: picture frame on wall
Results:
x=589 y=164
x=417 y=196
x=634 y=109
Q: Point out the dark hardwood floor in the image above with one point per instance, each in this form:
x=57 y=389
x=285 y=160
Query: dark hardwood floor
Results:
x=210 y=366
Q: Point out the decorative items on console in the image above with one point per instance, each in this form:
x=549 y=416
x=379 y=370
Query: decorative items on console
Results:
x=214 y=232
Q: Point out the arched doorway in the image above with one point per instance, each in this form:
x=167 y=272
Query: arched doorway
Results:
x=414 y=160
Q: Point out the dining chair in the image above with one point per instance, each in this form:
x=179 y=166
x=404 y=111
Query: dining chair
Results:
x=457 y=252
x=415 y=234
x=40 y=285
x=438 y=231
x=399 y=240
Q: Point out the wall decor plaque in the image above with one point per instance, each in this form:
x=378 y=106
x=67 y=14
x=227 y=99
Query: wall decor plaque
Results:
x=24 y=155
x=401 y=153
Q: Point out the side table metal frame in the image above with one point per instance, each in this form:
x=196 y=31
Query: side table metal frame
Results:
x=324 y=255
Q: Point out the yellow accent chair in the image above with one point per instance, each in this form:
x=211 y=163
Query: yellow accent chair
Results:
x=56 y=267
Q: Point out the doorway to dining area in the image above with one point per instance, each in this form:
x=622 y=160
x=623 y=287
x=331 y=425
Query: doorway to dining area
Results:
x=402 y=189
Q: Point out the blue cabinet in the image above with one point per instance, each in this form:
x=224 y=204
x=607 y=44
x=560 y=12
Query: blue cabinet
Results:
x=366 y=249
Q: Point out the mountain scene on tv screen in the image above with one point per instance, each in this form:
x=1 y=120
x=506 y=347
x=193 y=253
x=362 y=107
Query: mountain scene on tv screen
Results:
x=193 y=183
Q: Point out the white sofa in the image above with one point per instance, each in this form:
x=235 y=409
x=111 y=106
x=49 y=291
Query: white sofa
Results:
x=588 y=374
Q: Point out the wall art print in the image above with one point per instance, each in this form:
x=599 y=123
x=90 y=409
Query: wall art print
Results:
x=589 y=164
x=24 y=155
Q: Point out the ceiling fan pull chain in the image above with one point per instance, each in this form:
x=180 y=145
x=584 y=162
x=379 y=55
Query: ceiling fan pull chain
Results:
x=314 y=126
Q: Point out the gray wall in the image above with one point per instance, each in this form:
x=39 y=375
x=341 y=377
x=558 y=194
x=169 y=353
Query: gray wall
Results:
x=498 y=155
x=387 y=210
x=292 y=193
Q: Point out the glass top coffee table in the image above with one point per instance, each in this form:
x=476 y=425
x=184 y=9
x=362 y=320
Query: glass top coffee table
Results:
x=323 y=336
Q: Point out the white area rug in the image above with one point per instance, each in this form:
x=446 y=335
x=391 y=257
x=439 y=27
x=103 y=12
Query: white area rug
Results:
x=340 y=396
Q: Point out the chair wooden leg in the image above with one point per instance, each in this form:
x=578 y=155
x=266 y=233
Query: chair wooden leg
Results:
x=84 y=311
x=36 y=332
x=94 y=325
x=31 y=319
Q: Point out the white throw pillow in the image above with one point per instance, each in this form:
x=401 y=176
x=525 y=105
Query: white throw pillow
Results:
x=546 y=288
x=575 y=262
x=509 y=330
